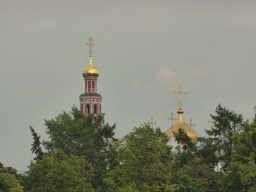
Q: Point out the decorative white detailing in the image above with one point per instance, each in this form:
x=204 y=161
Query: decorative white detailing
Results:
x=95 y=102
x=87 y=102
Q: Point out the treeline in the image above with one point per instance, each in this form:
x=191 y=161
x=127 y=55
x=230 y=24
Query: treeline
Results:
x=83 y=155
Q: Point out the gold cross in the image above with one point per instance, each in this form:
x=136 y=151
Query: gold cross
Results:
x=212 y=122
x=190 y=124
x=90 y=44
x=171 y=118
x=180 y=92
x=151 y=123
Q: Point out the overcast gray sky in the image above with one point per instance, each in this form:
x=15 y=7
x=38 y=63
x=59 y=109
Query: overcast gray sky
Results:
x=143 y=51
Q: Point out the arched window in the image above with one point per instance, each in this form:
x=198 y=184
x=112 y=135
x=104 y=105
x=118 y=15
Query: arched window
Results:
x=88 y=108
x=81 y=108
x=95 y=108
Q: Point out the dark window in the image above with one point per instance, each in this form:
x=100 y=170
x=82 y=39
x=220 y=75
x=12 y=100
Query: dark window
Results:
x=95 y=108
x=93 y=84
x=81 y=107
x=88 y=108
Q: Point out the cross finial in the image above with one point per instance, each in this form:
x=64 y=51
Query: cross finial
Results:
x=180 y=92
x=212 y=122
x=151 y=123
x=190 y=124
x=90 y=44
x=171 y=118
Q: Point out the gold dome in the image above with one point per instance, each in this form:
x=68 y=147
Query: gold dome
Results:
x=90 y=71
x=181 y=124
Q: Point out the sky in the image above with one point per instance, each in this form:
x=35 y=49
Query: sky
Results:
x=143 y=50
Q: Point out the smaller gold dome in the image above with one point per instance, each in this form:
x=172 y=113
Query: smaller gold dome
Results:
x=90 y=71
x=181 y=124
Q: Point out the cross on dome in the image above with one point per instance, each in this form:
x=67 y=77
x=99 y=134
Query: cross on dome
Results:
x=180 y=93
x=90 y=44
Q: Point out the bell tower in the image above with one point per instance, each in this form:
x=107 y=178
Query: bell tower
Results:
x=90 y=100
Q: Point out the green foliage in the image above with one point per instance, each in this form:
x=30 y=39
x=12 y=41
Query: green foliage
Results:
x=188 y=152
x=14 y=183
x=4 y=184
x=83 y=155
x=241 y=174
x=245 y=143
x=208 y=150
x=58 y=172
x=182 y=158
x=83 y=136
x=227 y=123
x=145 y=162
x=9 y=170
x=189 y=184
x=9 y=179
x=199 y=175
x=182 y=138
x=36 y=146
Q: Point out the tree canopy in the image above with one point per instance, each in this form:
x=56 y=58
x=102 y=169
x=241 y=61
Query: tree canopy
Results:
x=83 y=155
x=58 y=172
x=84 y=136
x=145 y=162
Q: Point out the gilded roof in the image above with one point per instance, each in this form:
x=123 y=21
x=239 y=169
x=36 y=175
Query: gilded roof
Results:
x=181 y=124
x=90 y=71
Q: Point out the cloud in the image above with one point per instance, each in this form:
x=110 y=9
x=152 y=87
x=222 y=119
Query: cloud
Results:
x=155 y=92
x=164 y=74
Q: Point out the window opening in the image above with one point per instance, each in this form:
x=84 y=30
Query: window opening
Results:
x=88 y=108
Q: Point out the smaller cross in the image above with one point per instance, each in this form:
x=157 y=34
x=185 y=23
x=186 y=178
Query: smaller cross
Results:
x=212 y=122
x=151 y=123
x=190 y=124
x=90 y=44
x=171 y=118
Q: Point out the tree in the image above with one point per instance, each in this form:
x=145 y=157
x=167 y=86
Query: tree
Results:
x=60 y=173
x=227 y=123
x=208 y=150
x=4 y=184
x=187 y=183
x=182 y=138
x=197 y=176
x=36 y=146
x=9 y=179
x=78 y=135
x=145 y=162
x=188 y=152
x=241 y=174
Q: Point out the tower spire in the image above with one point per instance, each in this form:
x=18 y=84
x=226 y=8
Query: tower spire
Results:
x=90 y=44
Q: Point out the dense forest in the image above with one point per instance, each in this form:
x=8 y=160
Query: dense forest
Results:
x=83 y=155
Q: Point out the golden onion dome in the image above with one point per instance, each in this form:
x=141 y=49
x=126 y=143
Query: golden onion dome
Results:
x=90 y=71
x=181 y=124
